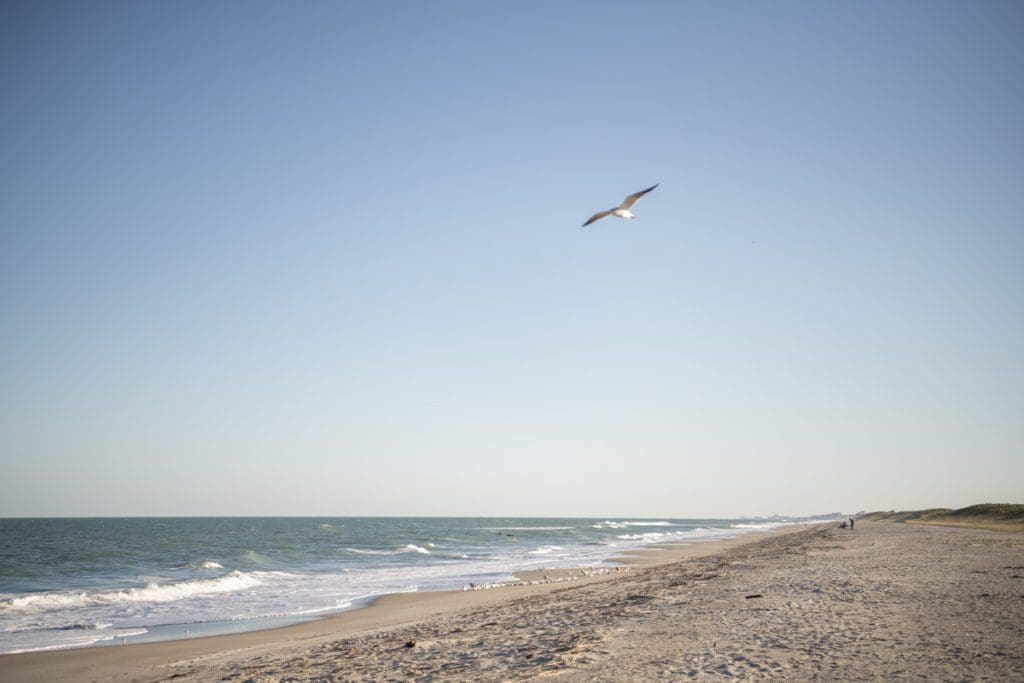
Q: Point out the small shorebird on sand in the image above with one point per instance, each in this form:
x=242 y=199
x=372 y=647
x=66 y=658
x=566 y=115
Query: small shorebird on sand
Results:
x=622 y=210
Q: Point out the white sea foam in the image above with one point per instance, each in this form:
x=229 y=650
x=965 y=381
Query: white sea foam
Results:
x=545 y=550
x=87 y=626
x=699 y=534
x=153 y=592
x=315 y=610
x=199 y=564
x=608 y=524
x=80 y=642
x=130 y=633
x=651 y=537
x=410 y=548
x=527 y=528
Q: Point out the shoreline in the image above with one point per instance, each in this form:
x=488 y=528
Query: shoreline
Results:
x=882 y=602
x=389 y=611
x=611 y=563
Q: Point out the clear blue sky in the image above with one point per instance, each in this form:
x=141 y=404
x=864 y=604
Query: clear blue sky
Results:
x=326 y=258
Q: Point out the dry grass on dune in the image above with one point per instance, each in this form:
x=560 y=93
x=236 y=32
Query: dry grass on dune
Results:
x=994 y=516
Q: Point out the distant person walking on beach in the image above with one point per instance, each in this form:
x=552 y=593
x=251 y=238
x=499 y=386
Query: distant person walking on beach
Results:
x=851 y=523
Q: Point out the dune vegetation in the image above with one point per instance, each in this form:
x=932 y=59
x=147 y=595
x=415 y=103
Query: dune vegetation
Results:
x=995 y=516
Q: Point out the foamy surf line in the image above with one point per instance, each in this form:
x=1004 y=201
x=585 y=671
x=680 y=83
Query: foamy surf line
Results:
x=153 y=592
x=86 y=642
x=623 y=562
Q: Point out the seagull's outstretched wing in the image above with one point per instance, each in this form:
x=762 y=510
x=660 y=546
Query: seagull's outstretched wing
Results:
x=632 y=199
x=596 y=217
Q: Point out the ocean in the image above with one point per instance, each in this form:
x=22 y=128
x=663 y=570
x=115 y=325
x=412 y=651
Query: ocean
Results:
x=68 y=583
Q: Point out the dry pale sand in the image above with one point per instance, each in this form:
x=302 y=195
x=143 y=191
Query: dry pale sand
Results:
x=883 y=602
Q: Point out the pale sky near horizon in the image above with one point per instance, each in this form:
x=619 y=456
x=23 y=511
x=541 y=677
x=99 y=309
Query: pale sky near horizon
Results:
x=326 y=258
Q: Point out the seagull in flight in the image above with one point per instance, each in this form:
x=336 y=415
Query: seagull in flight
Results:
x=622 y=210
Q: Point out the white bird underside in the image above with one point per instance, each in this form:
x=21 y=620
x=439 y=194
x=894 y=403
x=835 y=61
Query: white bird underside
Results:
x=622 y=210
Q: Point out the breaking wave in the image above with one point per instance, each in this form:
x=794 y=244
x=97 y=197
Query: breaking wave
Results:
x=608 y=524
x=153 y=592
x=545 y=550
x=408 y=548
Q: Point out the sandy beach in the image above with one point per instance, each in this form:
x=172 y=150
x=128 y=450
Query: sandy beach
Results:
x=885 y=601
